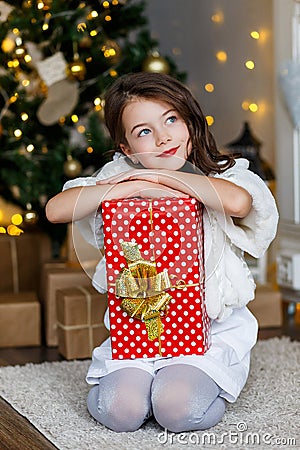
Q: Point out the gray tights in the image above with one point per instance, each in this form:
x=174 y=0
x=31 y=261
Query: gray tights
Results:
x=180 y=397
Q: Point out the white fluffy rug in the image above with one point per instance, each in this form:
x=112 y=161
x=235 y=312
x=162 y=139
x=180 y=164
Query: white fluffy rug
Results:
x=266 y=416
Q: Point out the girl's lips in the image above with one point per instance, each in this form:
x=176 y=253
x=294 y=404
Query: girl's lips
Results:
x=169 y=152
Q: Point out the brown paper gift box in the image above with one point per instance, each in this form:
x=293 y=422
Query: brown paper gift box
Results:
x=79 y=251
x=57 y=276
x=20 y=320
x=266 y=307
x=80 y=314
x=21 y=259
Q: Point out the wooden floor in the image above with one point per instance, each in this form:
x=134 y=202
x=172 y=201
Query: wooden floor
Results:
x=16 y=432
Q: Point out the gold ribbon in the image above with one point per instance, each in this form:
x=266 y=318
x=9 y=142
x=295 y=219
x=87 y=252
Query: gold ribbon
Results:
x=143 y=291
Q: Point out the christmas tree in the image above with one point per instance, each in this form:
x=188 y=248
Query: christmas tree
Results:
x=57 y=60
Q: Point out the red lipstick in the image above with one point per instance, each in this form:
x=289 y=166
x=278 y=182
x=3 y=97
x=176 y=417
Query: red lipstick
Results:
x=169 y=152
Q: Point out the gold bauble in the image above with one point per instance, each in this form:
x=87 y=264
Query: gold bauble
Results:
x=30 y=217
x=72 y=167
x=8 y=44
x=156 y=64
x=76 y=70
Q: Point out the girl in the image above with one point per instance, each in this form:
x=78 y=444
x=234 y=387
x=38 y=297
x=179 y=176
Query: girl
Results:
x=164 y=148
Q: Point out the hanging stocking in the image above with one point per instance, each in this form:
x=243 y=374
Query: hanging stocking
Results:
x=62 y=94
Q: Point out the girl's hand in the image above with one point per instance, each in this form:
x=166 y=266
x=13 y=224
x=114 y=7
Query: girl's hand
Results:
x=141 y=188
x=130 y=175
x=154 y=190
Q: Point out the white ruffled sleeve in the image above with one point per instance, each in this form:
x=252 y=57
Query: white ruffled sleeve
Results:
x=253 y=233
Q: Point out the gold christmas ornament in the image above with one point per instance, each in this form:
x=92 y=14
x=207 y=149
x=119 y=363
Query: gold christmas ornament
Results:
x=76 y=70
x=156 y=64
x=72 y=167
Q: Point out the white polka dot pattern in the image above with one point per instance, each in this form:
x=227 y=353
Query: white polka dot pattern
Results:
x=174 y=240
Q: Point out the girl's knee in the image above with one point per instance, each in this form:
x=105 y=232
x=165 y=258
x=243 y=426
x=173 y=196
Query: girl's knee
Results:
x=117 y=414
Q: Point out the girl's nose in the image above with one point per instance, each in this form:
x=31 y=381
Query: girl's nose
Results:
x=162 y=137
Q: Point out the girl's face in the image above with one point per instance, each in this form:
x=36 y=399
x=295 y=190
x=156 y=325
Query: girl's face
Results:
x=156 y=135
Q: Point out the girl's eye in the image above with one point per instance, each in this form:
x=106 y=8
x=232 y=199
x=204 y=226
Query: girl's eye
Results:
x=144 y=132
x=171 y=119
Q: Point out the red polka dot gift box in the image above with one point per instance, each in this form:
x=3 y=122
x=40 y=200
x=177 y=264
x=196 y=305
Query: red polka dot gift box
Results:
x=155 y=274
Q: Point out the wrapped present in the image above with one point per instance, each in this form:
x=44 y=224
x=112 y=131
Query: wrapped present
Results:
x=21 y=260
x=155 y=272
x=266 y=306
x=20 y=319
x=80 y=316
x=57 y=276
x=79 y=252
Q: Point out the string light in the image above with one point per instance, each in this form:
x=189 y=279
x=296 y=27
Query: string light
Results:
x=46 y=23
x=13 y=230
x=30 y=148
x=25 y=83
x=217 y=18
x=74 y=118
x=255 y=35
x=14 y=98
x=99 y=104
x=221 y=56
x=107 y=18
x=16 y=219
x=209 y=87
x=250 y=64
x=18 y=133
x=210 y=120
x=248 y=105
x=90 y=149
x=105 y=4
x=245 y=105
x=24 y=116
x=13 y=64
x=92 y=15
x=81 y=129
x=113 y=73
x=253 y=107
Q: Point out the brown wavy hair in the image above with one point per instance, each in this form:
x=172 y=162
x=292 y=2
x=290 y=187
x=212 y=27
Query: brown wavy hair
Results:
x=204 y=152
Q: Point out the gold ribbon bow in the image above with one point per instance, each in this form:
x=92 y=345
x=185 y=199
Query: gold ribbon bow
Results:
x=143 y=290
